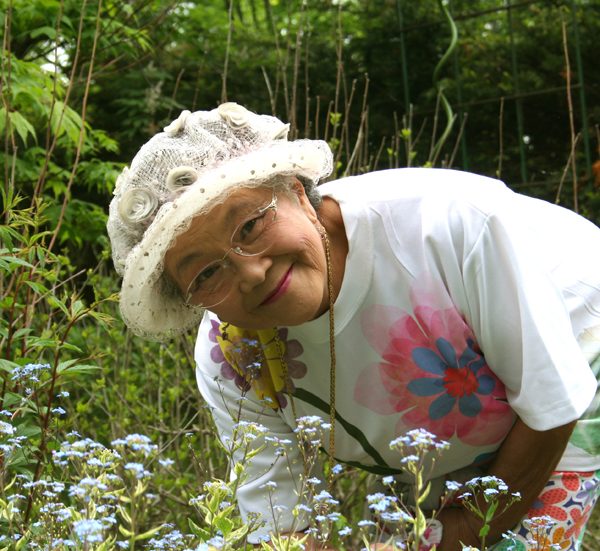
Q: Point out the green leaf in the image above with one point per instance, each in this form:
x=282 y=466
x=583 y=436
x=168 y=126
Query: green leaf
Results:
x=425 y=493
x=586 y=436
x=240 y=533
x=10 y=398
x=490 y=512
x=55 y=302
x=41 y=254
x=34 y=342
x=102 y=319
x=125 y=532
x=15 y=260
x=22 y=126
x=67 y=346
x=7 y=234
x=46 y=31
x=65 y=119
x=334 y=119
x=147 y=534
x=31 y=431
x=484 y=531
x=77 y=308
x=22 y=541
x=200 y=533
x=65 y=365
x=7 y=365
x=21 y=332
x=225 y=525
x=37 y=287
x=76 y=368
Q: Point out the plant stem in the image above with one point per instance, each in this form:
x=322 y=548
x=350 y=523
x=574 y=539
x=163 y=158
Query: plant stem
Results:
x=175 y=93
x=571 y=120
x=501 y=127
x=224 y=87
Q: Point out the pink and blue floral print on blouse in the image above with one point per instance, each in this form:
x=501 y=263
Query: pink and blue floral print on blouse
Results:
x=432 y=370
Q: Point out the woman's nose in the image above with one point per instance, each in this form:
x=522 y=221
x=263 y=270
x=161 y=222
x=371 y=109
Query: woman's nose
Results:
x=251 y=271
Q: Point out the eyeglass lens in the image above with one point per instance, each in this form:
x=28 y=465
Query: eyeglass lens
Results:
x=251 y=237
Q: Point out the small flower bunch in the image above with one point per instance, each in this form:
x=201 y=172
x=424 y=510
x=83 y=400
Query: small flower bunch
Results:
x=391 y=518
x=483 y=499
x=136 y=443
x=31 y=374
x=314 y=504
x=405 y=526
x=247 y=440
x=247 y=355
x=135 y=452
x=420 y=450
x=172 y=539
x=10 y=443
x=416 y=445
x=310 y=431
x=539 y=528
x=89 y=515
x=245 y=433
x=323 y=518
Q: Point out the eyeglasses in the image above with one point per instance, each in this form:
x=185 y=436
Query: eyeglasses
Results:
x=251 y=237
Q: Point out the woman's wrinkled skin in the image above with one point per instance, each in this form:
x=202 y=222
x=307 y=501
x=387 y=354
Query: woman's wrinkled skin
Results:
x=297 y=246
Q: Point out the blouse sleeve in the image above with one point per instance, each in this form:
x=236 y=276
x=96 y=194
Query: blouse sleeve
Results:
x=522 y=323
x=223 y=397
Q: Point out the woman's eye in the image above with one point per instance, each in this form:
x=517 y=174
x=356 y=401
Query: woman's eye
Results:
x=203 y=277
x=251 y=228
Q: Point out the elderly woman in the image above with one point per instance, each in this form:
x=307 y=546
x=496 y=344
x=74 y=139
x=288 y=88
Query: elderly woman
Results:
x=414 y=298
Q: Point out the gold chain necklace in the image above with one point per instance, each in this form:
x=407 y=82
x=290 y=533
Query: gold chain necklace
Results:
x=284 y=367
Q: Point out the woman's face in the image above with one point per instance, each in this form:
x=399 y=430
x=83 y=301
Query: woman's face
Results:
x=285 y=285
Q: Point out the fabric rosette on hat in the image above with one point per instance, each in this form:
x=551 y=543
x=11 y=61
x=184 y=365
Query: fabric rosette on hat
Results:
x=182 y=173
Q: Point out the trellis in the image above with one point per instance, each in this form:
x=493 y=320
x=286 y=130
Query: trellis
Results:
x=508 y=7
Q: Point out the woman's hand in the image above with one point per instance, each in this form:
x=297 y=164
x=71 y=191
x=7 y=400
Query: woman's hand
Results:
x=525 y=462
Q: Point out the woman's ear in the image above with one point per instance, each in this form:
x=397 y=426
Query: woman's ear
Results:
x=305 y=204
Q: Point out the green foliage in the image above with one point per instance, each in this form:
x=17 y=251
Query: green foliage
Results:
x=50 y=78
x=37 y=115
x=218 y=511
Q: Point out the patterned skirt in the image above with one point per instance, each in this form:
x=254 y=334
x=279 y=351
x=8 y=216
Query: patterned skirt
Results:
x=557 y=519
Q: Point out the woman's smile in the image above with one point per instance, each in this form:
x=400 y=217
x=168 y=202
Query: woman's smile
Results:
x=284 y=285
x=280 y=289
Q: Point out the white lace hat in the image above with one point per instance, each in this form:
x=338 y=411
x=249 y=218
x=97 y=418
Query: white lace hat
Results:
x=182 y=173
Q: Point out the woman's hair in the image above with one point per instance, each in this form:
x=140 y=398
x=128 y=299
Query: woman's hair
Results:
x=285 y=184
x=312 y=192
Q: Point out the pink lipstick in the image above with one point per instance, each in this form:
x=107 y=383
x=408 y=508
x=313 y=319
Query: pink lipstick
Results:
x=280 y=289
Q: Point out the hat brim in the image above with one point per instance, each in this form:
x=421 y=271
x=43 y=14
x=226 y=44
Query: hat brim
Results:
x=144 y=305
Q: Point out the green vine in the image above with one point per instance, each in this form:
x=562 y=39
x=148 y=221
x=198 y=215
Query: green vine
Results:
x=436 y=77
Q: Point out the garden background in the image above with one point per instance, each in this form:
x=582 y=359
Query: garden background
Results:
x=85 y=83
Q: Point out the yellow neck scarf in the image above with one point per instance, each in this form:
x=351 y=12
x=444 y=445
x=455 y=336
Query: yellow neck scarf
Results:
x=253 y=354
